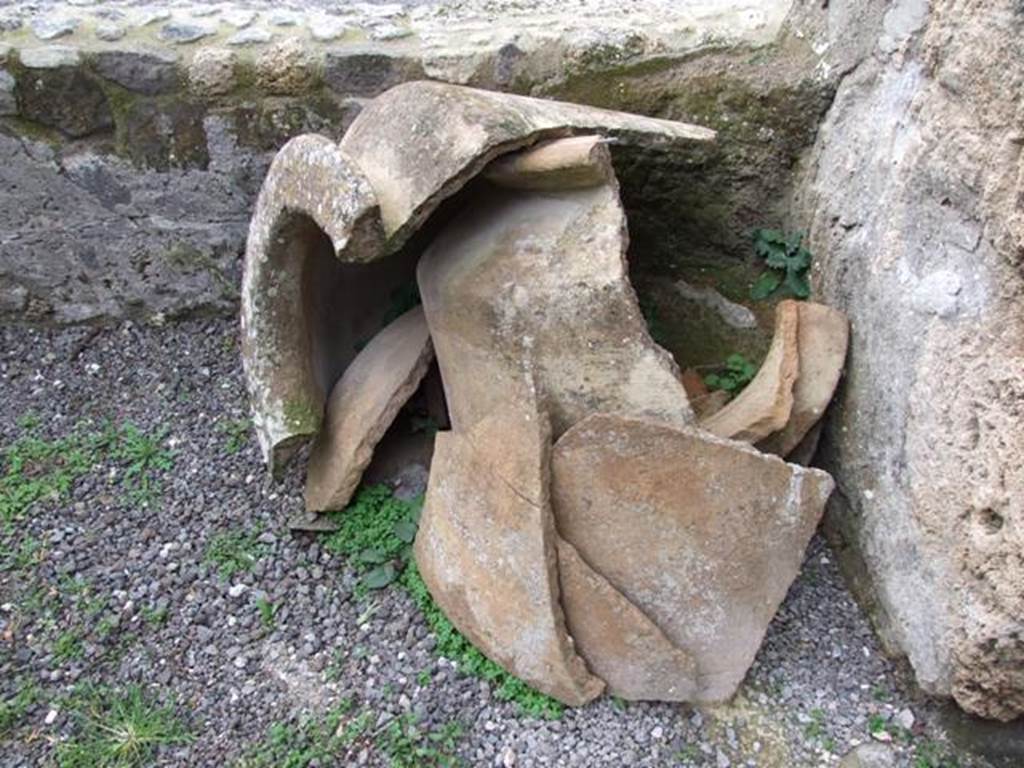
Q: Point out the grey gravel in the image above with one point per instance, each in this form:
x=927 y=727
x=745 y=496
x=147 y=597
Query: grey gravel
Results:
x=818 y=679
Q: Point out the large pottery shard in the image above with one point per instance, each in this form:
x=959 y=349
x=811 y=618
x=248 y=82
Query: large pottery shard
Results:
x=620 y=644
x=822 y=338
x=703 y=535
x=764 y=406
x=528 y=282
x=420 y=142
x=362 y=406
x=485 y=549
x=314 y=198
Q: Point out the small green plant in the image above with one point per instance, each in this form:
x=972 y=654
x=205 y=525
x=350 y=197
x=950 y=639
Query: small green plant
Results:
x=877 y=724
x=315 y=740
x=117 y=729
x=880 y=693
x=815 y=728
x=142 y=457
x=407 y=745
x=376 y=533
x=234 y=552
x=29 y=553
x=788 y=264
x=423 y=678
x=12 y=710
x=733 y=376
x=153 y=616
x=688 y=754
x=932 y=754
x=267 y=612
x=236 y=433
x=66 y=647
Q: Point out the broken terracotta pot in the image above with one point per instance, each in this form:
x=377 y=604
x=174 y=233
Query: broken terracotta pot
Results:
x=619 y=643
x=701 y=534
x=642 y=555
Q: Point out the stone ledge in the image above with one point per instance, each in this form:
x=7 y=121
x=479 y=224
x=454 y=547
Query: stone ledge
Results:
x=436 y=27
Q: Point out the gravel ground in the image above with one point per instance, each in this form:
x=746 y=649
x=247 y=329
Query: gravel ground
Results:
x=133 y=587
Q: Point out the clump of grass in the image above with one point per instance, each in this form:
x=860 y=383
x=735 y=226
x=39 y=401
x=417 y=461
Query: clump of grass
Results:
x=34 y=470
x=234 y=552
x=376 y=533
x=143 y=457
x=316 y=740
x=153 y=616
x=12 y=710
x=118 y=729
x=67 y=647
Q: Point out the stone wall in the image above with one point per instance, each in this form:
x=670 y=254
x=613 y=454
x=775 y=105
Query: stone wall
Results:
x=914 y=194
x=134 y=138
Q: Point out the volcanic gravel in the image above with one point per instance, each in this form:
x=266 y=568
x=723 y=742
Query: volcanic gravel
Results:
x=175 y=626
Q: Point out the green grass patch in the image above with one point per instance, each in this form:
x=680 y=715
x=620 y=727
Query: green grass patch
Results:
x=67 y=647
x=234 y=552
x=12 y=710
x=330 y=739
x=117 y=729
x=376 y=534
x=315 y=740
x=35 y=470
x=143 y=459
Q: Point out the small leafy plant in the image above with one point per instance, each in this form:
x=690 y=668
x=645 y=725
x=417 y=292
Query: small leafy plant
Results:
x=377 y=531
x=14 y=709
x=734 y=375
x=314 y=740
x=409 y=745
x=788 y=262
